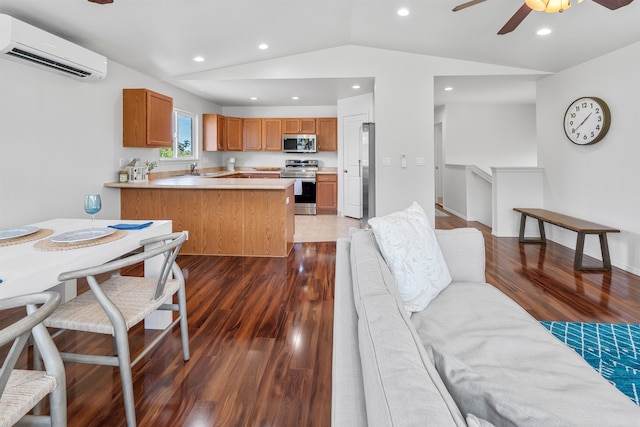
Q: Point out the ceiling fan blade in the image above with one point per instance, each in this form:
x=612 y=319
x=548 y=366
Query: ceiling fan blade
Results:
x=467 y=4
x=515 y=20
x=101 y=1
x=613 y=4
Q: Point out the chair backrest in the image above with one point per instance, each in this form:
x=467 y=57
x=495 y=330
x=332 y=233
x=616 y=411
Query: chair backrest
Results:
x=20 y=331
x=167 y=245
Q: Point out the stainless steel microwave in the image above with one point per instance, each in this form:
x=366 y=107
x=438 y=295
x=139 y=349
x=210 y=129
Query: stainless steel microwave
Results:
x=299 y=143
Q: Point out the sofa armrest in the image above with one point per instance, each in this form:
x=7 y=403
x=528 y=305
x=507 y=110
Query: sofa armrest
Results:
x=463 y=250
x=348 y=401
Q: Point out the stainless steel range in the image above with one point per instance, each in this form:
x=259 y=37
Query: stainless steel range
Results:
x=304 y=189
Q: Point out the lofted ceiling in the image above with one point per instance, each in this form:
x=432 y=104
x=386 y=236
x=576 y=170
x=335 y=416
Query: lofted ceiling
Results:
x=160 y=38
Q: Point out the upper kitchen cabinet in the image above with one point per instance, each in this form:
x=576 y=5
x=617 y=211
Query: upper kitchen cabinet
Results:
x=299 y=125
x=212 y=132
x=233 y=140
x=146 y=119
x=252 y=134
x=327 y=131
x=271 y=134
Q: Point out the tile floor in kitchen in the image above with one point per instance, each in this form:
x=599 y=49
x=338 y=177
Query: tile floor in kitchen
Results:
x=323 y=228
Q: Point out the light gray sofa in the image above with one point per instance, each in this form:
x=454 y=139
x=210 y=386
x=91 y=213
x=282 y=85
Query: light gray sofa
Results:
x=473 y=351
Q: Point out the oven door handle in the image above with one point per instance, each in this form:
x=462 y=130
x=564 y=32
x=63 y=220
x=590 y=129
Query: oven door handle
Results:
x=307 y=179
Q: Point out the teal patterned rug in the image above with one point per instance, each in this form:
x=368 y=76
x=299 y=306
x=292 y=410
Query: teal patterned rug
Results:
x=612 y=349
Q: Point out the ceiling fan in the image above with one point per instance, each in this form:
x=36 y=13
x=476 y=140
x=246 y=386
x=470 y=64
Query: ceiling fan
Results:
x=541 y=5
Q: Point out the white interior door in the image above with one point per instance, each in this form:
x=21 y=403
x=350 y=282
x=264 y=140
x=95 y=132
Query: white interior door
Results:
x=352 y=158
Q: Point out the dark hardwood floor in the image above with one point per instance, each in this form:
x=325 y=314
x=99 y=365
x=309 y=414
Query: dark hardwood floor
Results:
x=541 y=279
x=261 y=334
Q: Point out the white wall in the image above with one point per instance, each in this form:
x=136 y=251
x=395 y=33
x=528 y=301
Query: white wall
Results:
x=61 y=139
x=488 y=135
x=403 y=106
x=596 y=182
x=455 y=189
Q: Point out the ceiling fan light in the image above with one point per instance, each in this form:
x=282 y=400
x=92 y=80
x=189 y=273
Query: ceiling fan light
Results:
x=554 y=6
x=537 y=5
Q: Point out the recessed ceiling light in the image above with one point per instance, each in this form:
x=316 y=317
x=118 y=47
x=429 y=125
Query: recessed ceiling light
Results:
x=254 y=98
x=355 y=87
x=543 y=32
x=295 y=98
x=448 y=88
x=198 y=58
x=263 y=46
x=403 y=12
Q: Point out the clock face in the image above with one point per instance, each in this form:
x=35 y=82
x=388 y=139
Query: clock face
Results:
x=587 y=120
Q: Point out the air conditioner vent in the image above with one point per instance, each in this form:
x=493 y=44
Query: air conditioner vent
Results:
x=22 y=42
x=48 y=62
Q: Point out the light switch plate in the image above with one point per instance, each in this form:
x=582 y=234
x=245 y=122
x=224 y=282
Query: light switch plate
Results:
x=420 y=161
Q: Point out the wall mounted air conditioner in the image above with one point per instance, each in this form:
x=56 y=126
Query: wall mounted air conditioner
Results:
x=27 y=44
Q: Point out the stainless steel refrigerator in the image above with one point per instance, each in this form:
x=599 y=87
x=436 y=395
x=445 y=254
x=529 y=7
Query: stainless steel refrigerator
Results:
x=368 y=172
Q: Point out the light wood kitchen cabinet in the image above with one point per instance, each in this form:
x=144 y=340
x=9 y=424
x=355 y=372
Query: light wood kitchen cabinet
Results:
x=327 y=193
x=271 y=134
x=236 y=222
x=212 y=132
x=233 y=134
x=146 y=119
x=304 y=126
x=327 y=131
x=252 y=134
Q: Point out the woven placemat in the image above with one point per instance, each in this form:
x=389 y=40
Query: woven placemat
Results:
x=48 y=245
x=43 y=232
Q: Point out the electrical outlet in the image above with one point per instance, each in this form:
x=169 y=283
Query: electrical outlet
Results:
x=420 y=161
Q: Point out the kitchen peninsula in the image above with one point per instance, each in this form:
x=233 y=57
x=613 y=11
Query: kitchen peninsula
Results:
x=224 y=216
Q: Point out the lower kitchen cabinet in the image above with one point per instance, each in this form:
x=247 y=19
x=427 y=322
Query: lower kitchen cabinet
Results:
x=235 y=222
x=327 y=193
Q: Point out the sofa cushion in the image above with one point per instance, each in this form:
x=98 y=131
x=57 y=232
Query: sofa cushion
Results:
x=402 y=386
x=479 y=396
x=410 y=248
x=370 y=273
x=400 y=389
x=497 y=339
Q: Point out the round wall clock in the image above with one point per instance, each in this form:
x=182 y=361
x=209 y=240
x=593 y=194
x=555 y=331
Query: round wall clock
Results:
x=587 y=120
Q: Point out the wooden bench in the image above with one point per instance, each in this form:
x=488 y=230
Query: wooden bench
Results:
x=570 y=223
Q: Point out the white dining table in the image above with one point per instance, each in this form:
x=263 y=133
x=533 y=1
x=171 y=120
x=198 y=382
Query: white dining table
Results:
x=24 y=269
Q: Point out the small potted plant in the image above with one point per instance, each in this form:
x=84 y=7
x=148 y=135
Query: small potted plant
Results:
x=150 y=166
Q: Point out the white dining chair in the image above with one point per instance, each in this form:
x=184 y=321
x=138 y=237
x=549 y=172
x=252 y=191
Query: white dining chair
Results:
x=119 y=303
x=21 y=390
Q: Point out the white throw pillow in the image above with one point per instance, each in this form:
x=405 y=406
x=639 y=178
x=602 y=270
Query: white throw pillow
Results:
x=410 y=248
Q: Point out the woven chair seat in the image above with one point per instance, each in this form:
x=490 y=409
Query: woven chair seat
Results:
x=132 y=296
x=24 y=390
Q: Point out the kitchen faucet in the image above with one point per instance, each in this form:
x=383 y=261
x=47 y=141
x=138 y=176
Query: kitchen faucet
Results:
x=193 y=168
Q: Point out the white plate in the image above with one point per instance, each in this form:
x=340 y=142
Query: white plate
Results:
x=82 y=235
x=10 y=233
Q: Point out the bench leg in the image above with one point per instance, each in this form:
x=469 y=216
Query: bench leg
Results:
x=604 y=248
x=523 y=223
